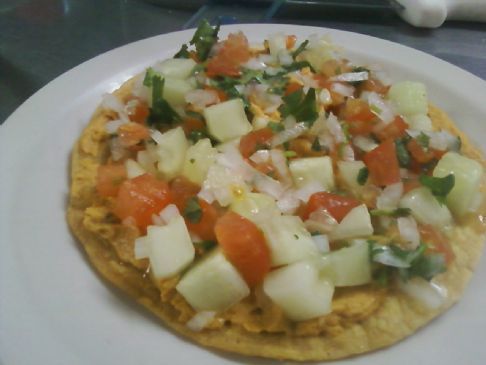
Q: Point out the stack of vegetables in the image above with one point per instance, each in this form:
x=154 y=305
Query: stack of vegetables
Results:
x=283 y=166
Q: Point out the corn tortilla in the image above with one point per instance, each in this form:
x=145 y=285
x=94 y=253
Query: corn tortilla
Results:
x=363 y=318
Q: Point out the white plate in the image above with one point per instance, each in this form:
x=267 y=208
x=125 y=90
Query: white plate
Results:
x=54 y=309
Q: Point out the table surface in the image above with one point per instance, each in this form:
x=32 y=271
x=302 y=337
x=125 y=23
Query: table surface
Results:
x=41 y=39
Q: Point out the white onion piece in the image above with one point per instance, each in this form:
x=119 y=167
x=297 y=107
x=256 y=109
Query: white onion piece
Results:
x=284 y=58
x=305 y=192
x=407 y=226
x=157 y=221
x=335 y=128
x=351 y=76
x=325 y=97
x=428 y=293
x=383 y=109
x=288 y=134
x=345 y=90
x=289 y=122
x=112 y=126
x=141 y=248
x=322 y=242
x=200 y=320
x=443 y=140
x=288 y=203
x=280 y=163
x=255 y=63
x=347 y=153
x=365 y=144
x=390 y=196
x=169 y=212
x=267 y=185
x=232 y=159
x=388 y=258
x=321 y=221
x=111 y=102
x=201 y=98
x=260 y=156
x=207 y=195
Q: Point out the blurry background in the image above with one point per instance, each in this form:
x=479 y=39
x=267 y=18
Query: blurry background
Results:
x=41 y=39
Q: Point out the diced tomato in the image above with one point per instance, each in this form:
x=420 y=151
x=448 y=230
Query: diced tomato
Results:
x=244 y=246
x=395 y=129
x=192 y=124
x=359 y=116
x=337 y=205
x=436 y=242
x=141 y=197
x=292 y=87
x=334 y=67
x=290 y=41
x=131 y=133
x=419 y=153
x=139 y=112
x=234 y=51
x=374 y=85
x=182 y=190
x=109 y=179
x=250 y=142
x=382 y=164
x=410 y=184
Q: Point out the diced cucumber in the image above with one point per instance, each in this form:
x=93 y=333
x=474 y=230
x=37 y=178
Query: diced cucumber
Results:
x=170 y=248
x=170 y=151
x=351 y=265
x=467 y=173
x=213 y=284
x=179 y=68
x=310 y=169
x=299 y=291
x=133 y=168
x=420 y=122
x=348 y=171
x=425 y=207
x=409 y=97
x=317 y=53
x=227 y=120
x=288 y=240
x=147 y=159
x=199 y=158
x=255 y=207
x=357 y=223
x=175 y=91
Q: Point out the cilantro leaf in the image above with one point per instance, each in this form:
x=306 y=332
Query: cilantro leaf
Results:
x=295 y=66
x=192 y=210
x=402 y=153
x=316 y=145
x=183 y=52
x=204 y=38
x=439 y=186
x=423 y=140
x=362 y=175
x=300 y=49
x=394 y=213
x=276 y=126
x=425 y=266
x=161 y=112
x=303 y=108
x=149 y=75
x=205 y=245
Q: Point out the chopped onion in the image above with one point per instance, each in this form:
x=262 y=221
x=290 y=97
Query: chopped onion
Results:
x=428 y=293
x=335 y=128
x=347 y=153
x=345 y=90
x=351 y=77
x=288 y=203
x=380 y=107
x=284 y=58
x=288 y=134
x=206 y=194
x=390 y=196
x=201 y=98
x=141 y=248
x=169 y=213
x=280 y=163
x=321 y=221
x=325 y=97
x=200 y=320
x=407 y=226
x=112 y=126
x=442 y=140
x=232 y=159
x=267 y=185
x=305 y=192
x=260 y=156
x=112 y=102
x=289 y=122
x=255 y=63
x=322 y=242
x=365 y=144
x=388 y=258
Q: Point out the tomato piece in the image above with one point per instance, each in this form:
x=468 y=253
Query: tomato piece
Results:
x=141 y=197
x=337 y=205
x=250 y=142
x=109 y=179
x=192 y=124
x=182 y=189
x=131 y=134
x=290 y=41
x=139 y=112
x=382 y=164
x=292 y=87
x=419 y=153
x=244 y=246
x=374 y=85
x=410 y=184
x=395 y=129
x=436 y=242
x=357 y=109
x=234 y=51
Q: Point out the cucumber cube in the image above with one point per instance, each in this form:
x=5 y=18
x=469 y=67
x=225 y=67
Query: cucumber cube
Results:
x=311 y=169
x=348 y=171
x=175 y=91
x=357 y=223
x=199 y=158
x=425 y=208
x=170 y=151
x=256 y=207
x=178 y=68
x=213 y=284
x=351 y=265
x=227 y=120
x=409 y=97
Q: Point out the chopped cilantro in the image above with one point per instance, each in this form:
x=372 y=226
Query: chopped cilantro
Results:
x=402 y=153
x=439 y=186
x=300 y=49
x=193 y=211
x=183 y=52
x=192 y=160
x=303 y=108
x=276 y=126
x=425 y=266
x=205 y=245
x=316 y=145
x=394 y=213
x=362 y=175
x=196 y=135
x=149 y=74
x=204 y=38
x=161 y=112
x=296 y=236
x=375 y=109
x=423 y=140
x=295 y=66
x=290 y=154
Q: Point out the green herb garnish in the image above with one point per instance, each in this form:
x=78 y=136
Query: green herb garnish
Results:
x=423 y=140
x=183 y=52
x=149 y=75
x=362 y=175
x=290 y=154
x=205 y=245
x=402 y=153
x=193 y=211
x=316 y=145
x=303 y=108
x=161 y=112
x=439 y=186
x=394 y=213
x=300 y=49
x=275 y=126
x=204 y=38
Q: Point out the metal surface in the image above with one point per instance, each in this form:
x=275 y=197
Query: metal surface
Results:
x=41 y=39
